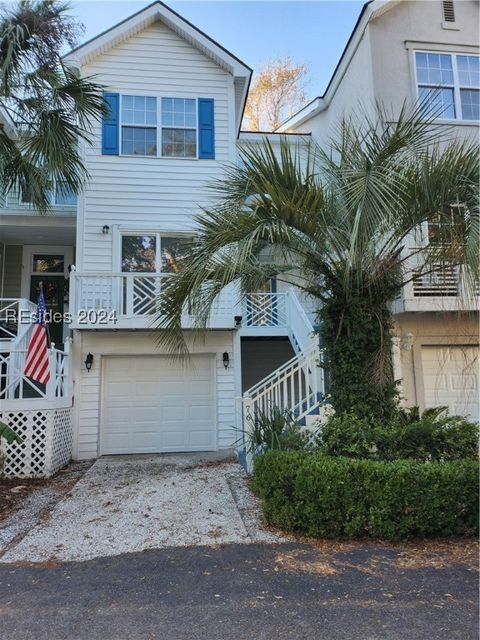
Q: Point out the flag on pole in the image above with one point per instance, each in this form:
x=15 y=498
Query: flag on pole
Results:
x=37 y=366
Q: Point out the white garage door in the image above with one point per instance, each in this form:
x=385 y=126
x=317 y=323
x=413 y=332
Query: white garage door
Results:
x=152 y=404
x=450 y=378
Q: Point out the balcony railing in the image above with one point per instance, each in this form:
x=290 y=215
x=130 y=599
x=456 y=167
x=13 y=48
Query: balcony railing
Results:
x=131 y=301
x=278 y=314
x=439 y=287
x=15 y=314
x=16 y=389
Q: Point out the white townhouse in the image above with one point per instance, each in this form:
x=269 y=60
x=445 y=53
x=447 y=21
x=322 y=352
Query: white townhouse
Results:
x=176 y=102
x=401 y=51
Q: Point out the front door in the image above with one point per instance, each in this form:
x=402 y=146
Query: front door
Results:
x=48 y=270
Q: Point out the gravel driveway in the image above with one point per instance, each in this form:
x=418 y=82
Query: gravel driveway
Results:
x=131 y=504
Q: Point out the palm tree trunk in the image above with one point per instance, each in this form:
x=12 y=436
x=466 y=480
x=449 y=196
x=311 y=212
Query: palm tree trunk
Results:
x=357 y=340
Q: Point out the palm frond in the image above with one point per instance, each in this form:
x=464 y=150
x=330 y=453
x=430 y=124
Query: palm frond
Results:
x=342 y=217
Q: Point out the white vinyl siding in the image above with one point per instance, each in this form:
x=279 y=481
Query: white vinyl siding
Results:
x=12 y=276
x=147 y=193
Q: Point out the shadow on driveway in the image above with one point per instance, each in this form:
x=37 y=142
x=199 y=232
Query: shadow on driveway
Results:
x=239 y=591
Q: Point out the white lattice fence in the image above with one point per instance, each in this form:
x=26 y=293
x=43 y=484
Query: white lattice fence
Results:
x=47 y=442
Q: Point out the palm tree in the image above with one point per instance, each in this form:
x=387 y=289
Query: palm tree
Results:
x=338 y=223
x=45 y=108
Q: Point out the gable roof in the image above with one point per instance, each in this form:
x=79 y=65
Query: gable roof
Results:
x=371 y=9
x=158 y=11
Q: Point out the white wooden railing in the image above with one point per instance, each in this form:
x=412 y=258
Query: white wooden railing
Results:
x=18 y=390
x=130 y=300
x=435 y=287
x=301 y=331
x=265 y=310
x=296 y=386
x=277 y=311
x=17 y=317
x=16 y=314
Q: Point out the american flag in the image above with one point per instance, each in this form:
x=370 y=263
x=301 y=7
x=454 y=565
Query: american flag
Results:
x=36 y=364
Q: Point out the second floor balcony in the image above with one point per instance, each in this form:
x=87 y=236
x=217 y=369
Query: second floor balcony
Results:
x=131 y=301
x=439 y=287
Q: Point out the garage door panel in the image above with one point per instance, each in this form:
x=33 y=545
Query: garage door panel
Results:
x=466 y=381
x=152 y=405
x=200 y=412
x=438 y=382
x=174 y=413
x=450 y=378
x=199 y=439
x=199 y=387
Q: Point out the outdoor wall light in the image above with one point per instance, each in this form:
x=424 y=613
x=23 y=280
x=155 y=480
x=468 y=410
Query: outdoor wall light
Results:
x=89 y=361
x=226 y=359
x=105 y=229
x=238 y=321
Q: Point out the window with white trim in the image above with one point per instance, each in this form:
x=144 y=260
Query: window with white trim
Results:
x=448 y=228
x=179 y=127
x=449 y=83
x=64 y=195
x=153 y=252
x=139 y=125
x=60 y=194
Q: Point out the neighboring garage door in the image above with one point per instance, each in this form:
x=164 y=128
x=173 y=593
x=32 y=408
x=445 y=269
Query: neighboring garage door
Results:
x=450 y=378
x=152 y=404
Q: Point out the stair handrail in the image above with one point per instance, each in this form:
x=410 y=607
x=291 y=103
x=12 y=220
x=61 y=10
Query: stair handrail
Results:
x=303 y=332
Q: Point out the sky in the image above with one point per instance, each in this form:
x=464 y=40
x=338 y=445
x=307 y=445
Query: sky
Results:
x=313 y=32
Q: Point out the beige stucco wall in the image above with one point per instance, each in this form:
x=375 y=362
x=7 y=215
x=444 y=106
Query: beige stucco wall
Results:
x=381 y=68
x=415 y=330
x=418 y=25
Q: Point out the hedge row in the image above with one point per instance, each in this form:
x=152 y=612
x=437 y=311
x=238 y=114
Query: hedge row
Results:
x=329 y=497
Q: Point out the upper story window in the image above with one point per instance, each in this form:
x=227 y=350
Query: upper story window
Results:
x=448 y=228
x=64 y=195
x=450 y=83
x=159 y=127
x=60 y=195
x=139 y=126
x=178 y=132
x=179 y=127
x=153 y=253
x=139 y=131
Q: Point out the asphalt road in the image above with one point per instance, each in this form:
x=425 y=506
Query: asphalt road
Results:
x=254 y=591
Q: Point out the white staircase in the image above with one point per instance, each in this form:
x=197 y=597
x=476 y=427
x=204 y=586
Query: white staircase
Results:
x=298 y=385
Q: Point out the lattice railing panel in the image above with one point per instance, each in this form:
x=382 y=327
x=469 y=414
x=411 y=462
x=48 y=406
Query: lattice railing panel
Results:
x=47 y=442
x=265 y=310
x=62 y=438
x=145 y=293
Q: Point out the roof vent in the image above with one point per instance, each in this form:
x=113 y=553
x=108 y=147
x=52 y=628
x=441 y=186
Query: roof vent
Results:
x=448 y=11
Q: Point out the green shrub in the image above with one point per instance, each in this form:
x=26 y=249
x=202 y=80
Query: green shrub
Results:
x=327 y=496
x=434 y=436
x=274 y=429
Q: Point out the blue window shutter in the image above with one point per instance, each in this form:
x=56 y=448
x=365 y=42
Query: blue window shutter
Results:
x=110 y=124
x=206 y=129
